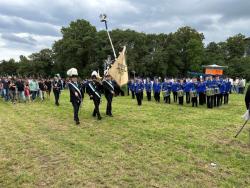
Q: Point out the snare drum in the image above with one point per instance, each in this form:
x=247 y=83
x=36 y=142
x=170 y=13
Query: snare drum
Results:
x=217 y=91
x=166 y=93
x=193 y=93
x=180 y=93
x=210 y=92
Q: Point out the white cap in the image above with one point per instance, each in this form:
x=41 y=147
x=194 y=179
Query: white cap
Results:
x=72 y=72
x=94 y=73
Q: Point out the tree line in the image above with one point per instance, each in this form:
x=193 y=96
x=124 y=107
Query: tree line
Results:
x=174 y=54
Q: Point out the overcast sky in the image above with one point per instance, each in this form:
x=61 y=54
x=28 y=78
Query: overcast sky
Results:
x=26 y=26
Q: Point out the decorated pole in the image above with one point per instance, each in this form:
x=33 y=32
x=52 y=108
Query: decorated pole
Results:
x=103 y=18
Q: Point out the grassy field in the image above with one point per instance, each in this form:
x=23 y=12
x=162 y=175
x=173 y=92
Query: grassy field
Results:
x=155 y=145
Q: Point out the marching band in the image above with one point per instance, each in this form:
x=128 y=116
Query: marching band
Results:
x=213 y=90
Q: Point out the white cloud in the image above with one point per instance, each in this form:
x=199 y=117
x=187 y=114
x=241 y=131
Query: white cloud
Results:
x=13 y=48
x=41 y=20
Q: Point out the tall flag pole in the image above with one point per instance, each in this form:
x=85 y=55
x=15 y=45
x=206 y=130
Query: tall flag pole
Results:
x=103 y=18
x=117 y=70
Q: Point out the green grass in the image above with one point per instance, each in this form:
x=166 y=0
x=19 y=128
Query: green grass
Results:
x=154 y=145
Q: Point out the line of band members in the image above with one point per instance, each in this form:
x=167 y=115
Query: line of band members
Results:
x=213 y=91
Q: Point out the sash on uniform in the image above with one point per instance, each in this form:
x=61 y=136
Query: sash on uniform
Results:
x=76 y=88
x=92 y=88
x=112 y=87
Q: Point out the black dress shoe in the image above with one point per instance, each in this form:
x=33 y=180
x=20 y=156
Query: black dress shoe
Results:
x=110 y=115
x=99 y=118
x=77 y=122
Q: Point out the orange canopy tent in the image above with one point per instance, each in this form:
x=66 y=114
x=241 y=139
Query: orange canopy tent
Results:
x=214 y=69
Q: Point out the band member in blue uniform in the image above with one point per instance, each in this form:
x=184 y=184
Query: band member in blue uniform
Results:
x=175 y=89
x=193 y=92
x=228 y=88
x=75 y=93
x=168 y=95
x=94 y=88
x=108 y=88
x=187 y=89
x=209 y=92
x=142 y=86
x=138 y=91
x=215 y=86
x=222 y=91
x=164 y=90
x=180 y=92
x=157 y=90
x=218 y=91
x=201 y=89
x=148 y=87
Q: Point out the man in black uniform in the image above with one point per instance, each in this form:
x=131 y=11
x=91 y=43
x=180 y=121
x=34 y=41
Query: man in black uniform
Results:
x=247 y=98
x=108 y=92
x=75 y=93
x=56 y=89
x=94 y=88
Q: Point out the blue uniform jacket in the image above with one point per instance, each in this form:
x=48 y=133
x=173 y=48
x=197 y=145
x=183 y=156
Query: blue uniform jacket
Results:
x=148 y=86
x=228 y=87
x=180 y=86
x=157 y=87
x=138 y=87
x=209 y=84
x=175 y=87
x=188 y=86
x=223 y=87
x=201 y=88
x=164 y=86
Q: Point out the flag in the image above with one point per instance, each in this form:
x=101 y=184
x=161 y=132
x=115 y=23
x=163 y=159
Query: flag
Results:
x=119 y=70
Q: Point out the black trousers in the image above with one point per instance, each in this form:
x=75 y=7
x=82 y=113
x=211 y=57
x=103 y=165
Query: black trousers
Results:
x=247 y=103
x=133 y=94
x=76 y=106
x=219 y=99
x=167 y=99
x=180 y=100
x=139 y=98
x=157 y=96
x=57 y=95
x=202 y=98
x=109 y=98
x=128 y=92
x=187 y=97
x=216 y=100
x=149 y=95
x=194 y=101
x=97 y=102
x=210 y=101
x=175 y=96
x=226 y=98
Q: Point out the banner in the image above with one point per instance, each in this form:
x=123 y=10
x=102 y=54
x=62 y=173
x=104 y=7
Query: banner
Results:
x=119 y=70
x=214 y=71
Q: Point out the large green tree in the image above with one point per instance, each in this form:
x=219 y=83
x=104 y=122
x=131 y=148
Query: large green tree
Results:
x=76 y=48
x=190 y=47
